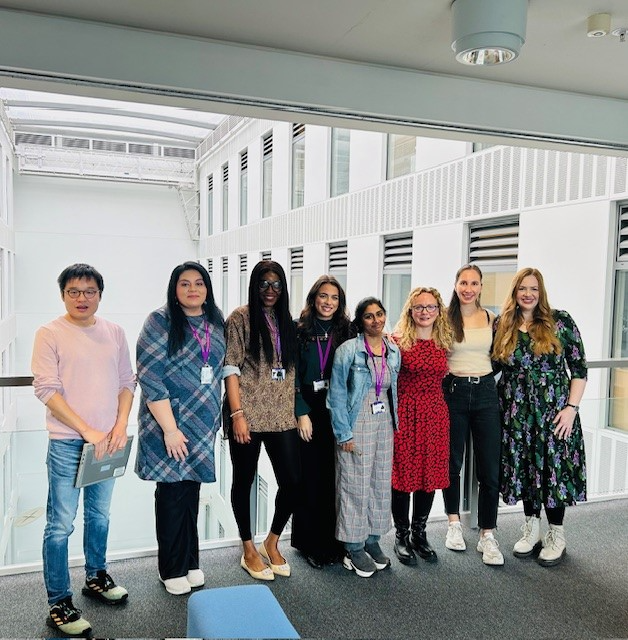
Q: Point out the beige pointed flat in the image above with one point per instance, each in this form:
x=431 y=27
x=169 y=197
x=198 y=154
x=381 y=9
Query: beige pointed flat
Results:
x=278 y=569
x=265 y=574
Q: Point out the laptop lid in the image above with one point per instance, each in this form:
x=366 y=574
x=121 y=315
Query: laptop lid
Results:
x=91 y=471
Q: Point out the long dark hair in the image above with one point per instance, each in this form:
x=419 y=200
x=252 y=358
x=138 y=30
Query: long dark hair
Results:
x=258 y=326
x=453 y=310
x=178 y=319
x=340 y=321
x=358 y=323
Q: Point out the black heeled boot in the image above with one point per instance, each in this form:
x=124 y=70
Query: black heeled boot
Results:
x=418 y=540
x=403 y=549
x=400 y=509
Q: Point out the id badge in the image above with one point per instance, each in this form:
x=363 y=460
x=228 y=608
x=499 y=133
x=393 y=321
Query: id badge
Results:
x=320 y=385
x=207 y=375
x=378 y=407
x=278 y=374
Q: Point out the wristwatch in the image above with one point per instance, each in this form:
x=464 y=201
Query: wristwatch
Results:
x=575 y=407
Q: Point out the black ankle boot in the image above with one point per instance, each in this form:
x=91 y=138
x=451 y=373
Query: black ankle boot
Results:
x=418 y=540
x=403 y=550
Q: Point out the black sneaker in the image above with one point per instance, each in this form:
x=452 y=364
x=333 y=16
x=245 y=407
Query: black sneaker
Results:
x=103 y=588
x=65 y=617
x=375 y=551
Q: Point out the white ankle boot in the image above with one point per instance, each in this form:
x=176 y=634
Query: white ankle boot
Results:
x=531 y=539
x=554 y=546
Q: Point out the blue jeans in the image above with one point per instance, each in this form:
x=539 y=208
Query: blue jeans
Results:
x=473 y=406
x=62 y=461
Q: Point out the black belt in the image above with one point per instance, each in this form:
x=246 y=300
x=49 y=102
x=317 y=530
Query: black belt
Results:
x=472 y=379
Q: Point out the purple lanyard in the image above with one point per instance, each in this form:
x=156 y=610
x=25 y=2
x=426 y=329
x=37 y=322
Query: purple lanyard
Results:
x=276 y=337
x=323 y=359
x=206 y=344
x=379 y=375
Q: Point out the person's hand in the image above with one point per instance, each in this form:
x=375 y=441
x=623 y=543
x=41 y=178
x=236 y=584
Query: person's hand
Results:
x=175 y=445
x=347 y=446
x=241 y=433
x=117 y=438
x=304 y=427
x=564 y=422
x=98 y=439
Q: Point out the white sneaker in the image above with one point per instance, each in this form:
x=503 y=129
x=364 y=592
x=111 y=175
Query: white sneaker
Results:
x=177 y=586
x=489 y=548
x=554 y=546
x=454 y=539
x=531 y=539
x=196 y=578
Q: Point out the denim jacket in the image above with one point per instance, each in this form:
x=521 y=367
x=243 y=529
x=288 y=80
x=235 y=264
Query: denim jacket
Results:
x=350 y=381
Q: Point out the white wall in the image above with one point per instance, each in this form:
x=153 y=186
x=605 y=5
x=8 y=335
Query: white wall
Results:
x=367 y=153
x=317 y=163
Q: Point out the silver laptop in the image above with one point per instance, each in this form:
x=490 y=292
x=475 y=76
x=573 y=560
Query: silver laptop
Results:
x=91 y=471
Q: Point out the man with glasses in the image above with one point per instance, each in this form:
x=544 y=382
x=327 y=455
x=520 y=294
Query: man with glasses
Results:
x=82 y=373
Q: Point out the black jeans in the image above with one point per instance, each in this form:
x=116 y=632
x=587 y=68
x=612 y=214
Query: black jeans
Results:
x=474 y=406
x=176 y=515
x=283 y=450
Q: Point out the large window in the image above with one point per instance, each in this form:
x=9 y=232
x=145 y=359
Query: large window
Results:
x=267 y=175
x=494 y=247
x=401 y=156
x=618 y=415
x=210 y=204
x=244 y=187
x=339 y=161
x=296 y=281
x=225 y=197
x=397 y=275
x=298 y=165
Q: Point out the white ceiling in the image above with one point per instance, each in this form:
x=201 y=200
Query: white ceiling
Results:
x=585 y=78
x=413 y=34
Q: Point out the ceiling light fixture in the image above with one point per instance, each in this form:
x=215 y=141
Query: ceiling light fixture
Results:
x=598 y=25
x=488 y=32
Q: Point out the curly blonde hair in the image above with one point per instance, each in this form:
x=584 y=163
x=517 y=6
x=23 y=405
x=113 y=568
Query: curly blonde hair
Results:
x=542 y=329
x=405 y=332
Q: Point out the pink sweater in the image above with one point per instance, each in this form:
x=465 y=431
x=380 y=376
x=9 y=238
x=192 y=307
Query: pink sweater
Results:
x=88 y=366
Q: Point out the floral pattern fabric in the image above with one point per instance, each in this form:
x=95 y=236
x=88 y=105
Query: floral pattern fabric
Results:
x=536 y=465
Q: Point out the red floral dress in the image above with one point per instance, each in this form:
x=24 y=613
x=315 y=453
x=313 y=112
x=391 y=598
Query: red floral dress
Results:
x=421 y=453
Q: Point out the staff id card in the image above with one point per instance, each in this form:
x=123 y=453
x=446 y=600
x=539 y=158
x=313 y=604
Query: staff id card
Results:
x=207 y=374
x=378 y=407
x=278 y=373
x=320 y=385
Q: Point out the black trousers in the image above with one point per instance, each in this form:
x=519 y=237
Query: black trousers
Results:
x=176 y=516
x=421 y=506
x=555 y=515
x=474 y=406
x=314 y=519
x=283 y=450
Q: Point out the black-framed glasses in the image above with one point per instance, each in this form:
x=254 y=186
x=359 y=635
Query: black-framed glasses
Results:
x=275 y=285
x=430 y=308
x=88 y=293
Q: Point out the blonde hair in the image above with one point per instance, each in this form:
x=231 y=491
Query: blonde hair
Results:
x=542 y=328
x=405 y=331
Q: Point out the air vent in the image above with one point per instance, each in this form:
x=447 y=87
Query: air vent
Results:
x=297 y=130
x=33 y=138
x=108 y=145
x=266 y=255
x=210 y=266
x=225 y=264
x=244 y=161
x=225 y=173
x=210 y=182
x=74 y=143
x=338 y=256
x=496 y=243
x=296 y=259
x=267 y=145
x=397 y=252
x=178 y=152
x=243 y=263
x=142 y=149
x=622 y=236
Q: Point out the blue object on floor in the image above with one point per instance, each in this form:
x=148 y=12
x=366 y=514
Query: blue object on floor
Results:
x=245 y=611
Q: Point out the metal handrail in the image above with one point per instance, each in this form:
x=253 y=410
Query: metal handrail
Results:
x=16 y=381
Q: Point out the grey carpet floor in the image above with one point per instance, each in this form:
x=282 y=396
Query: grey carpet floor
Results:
x=458 y=597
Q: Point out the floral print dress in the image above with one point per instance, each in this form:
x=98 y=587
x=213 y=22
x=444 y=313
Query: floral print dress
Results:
x=536 y=465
